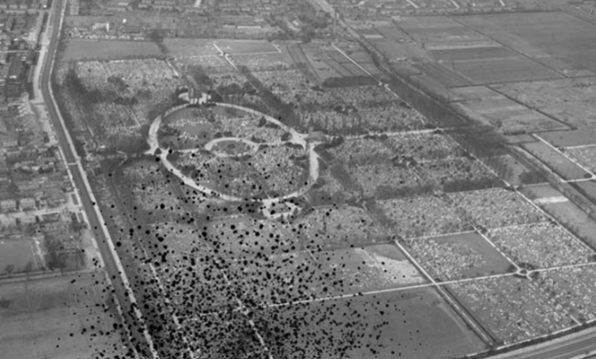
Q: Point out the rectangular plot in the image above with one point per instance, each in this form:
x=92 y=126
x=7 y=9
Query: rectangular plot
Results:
x=558 y=162
x=457 y=256
x=566 y=212
x=586 y=156
x=540 y=245
x=421 y=216
x=496 y=208
x=415 y=324
x=574 y=288
x=475 y=53
x=514 y=309
x=443 y=74
x=581 y=137
x=504 y=70
x=17 y=254
x=339 y=227
x=368 y=268
x=235 y=47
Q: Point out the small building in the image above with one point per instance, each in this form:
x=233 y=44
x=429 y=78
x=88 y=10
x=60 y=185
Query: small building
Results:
x=8 y=205
x=27 y=204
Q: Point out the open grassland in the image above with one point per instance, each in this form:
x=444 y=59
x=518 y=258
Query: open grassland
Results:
x=79 y=50
x=61 y=317
x=18 y=254
x=413 y=324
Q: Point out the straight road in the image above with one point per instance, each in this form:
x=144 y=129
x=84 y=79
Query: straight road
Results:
x=132 y=318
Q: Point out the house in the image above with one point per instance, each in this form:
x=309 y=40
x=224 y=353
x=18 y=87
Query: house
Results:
x=8 y=205
x=27 y=204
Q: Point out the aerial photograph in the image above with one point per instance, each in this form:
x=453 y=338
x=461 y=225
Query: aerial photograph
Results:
x=297 y=179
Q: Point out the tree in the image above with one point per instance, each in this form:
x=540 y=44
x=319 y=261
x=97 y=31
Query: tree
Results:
x=9 y=269
x=28 y=268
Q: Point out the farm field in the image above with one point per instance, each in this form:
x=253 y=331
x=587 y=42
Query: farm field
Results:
x=474 y=53
x=18 y=254
x=457 y=256
x=556 y=161
x=60 y=317
x=413 y=324
x=537 y=34
x=503 y=70
x=81 y=50
x=567 y=213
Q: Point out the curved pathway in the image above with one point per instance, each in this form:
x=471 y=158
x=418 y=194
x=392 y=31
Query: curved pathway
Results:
x=296 y=138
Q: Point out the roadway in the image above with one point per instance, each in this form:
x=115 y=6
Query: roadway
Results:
x=105 y=246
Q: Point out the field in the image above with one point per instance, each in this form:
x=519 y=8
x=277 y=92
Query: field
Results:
x=410 y=324
x=570 y=100
x=421 y=216
x=541 y=34
x=80 y=50
x=585 y=156
x=368 y=268
x=589 y=188
x=496 y=208
x=567 y=213
x=61 y=317
x=238 y=47
x=474 y=53
x=457 y=256
x=574 y=288
x=504 y=70
x=580 y=137
x=507 y=115
x=189 y=47
x=513 y=309
x=339 y=227
x=249 y=237
x=556 y=161
x=18 y=254
x=541 y=245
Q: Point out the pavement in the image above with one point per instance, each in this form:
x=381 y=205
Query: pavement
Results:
x=113 y=267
